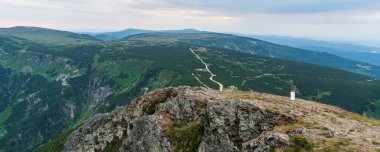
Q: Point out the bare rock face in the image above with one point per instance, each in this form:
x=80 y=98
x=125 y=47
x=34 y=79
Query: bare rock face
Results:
x=97 y=92
x=193 y=119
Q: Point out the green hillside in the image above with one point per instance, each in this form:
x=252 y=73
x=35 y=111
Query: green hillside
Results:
x=43 y=35
x=48 y=90
x=262 y=48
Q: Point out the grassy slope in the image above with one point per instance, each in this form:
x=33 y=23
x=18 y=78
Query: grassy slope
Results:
x=375 y=112
x=320 y=120
x=56 y=144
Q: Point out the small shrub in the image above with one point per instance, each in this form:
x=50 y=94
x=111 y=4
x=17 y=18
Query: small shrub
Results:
x=299 y=144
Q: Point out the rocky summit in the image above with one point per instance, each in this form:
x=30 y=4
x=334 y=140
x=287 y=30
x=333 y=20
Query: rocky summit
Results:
x=204 y=120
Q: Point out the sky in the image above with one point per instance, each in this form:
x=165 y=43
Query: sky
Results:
x=338 y=20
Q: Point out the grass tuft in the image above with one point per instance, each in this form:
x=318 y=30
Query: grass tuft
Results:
x=185 y=137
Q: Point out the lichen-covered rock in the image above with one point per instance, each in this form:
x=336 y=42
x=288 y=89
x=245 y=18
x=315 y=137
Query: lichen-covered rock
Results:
x=266 y=141
x=197 y=119
x=147 y=135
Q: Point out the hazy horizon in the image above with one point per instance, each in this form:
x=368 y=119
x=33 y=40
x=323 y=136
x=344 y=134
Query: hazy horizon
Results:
x=337 y=20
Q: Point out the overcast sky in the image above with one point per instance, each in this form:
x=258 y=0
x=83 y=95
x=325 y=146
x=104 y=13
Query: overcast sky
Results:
x=345 y=20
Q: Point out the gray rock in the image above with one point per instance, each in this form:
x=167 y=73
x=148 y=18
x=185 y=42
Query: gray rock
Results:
x=264 y=142
x=96 y=91
x=146 y=124
x=302 y=131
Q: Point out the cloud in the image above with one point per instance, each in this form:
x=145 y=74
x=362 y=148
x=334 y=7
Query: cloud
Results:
x=334 y=19
x=261 y=6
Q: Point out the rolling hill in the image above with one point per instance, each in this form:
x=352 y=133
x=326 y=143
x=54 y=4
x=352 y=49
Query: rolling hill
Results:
x=109 y=36
x=43 y=35
x=367 y=54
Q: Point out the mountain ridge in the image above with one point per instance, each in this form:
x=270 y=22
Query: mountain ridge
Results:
x=368 y=54
x=118 y=35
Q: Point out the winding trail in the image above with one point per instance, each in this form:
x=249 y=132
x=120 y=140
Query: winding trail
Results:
x=208 y=70
x=200 y=81
x=267 y=74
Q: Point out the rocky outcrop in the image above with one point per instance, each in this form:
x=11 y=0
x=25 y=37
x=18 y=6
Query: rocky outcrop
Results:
x=199 y=119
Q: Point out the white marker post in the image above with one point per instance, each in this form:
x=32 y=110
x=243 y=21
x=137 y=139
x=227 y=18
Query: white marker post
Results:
x=293 y=95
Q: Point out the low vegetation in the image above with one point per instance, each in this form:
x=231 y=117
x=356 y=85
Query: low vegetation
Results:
x=299 y=144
